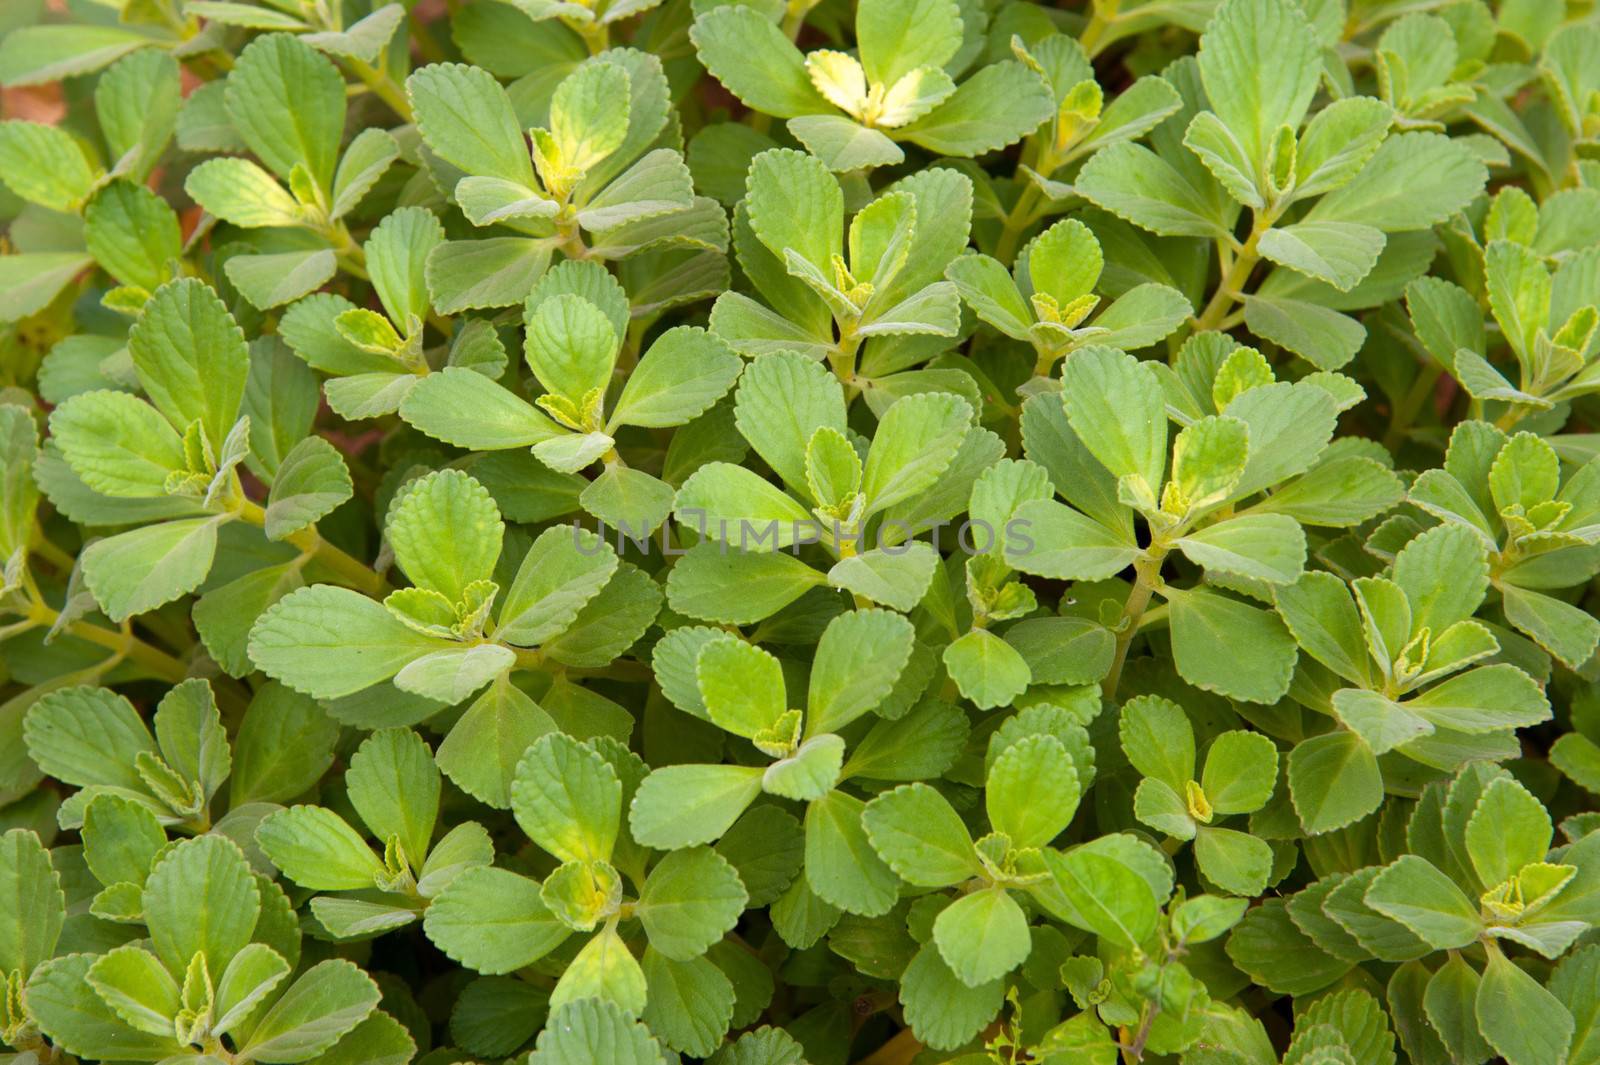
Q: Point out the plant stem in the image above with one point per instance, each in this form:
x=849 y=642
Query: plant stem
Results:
x=348 y=570
x=123 y=644
x=1234 y=279
x=1018 y=219
x=1147 y=576
x=383 y=87
x=1405 y=412
x=1093 y=37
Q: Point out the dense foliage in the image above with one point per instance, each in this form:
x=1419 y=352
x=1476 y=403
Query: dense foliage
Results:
x=800 y=533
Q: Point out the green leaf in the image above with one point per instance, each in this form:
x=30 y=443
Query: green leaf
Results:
x=919 y=834
x=841 y=866
x=986 y=669
x=684 y=805
x=690 y=900
x=714 y=583
x=755 y=62
x=1413 y=181
x=1230 y=647
x=325 y=1002
x=999 y=105
x=287 y=103
x=982 y=936
x=283 y=746
x=394 y=785
x=1340 y=253
x=140 y=570
x=1137 y=185
x=1255 y=98
x=132 y=982
x=943 y=1012
x=1114 y=403
x=317 y=848
x=36 y=906
x=1241 y=771
x=1334 y=781
x=1507 y=830
x=1518 y=1017
x=240 y=192
x=593 y=1029
x=446 y=499
x=859 y=658
x=1158 y=740
x=44 y=165
x=191 y=358
x=313 y=638
x=1234 y=861
x=200 y=898
x=312 y=481
x=915 y=443
x=118 y=445
x=685 y=371
x=1414 y=892
x=1267 y=547
x=690 y=1004
x=465 y=408
x=493 y=921
x=1031 y=791
x=64 y=1005
x=795 y=204
x=133 y=234
x=568 y=799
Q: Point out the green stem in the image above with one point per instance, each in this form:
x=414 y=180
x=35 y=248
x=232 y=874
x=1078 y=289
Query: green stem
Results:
x=1018 y=219
x=1234 y=280
x=347 y=570
x=1093 y=37
x=124 y=645
x=1147 y=576
x=383 y=87
x=1405 y=412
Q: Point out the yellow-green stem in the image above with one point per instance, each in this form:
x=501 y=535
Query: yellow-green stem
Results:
x=349 y=571
x=1147 y=576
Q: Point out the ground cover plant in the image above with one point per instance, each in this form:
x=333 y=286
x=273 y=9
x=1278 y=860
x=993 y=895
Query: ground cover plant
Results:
x=800 y=532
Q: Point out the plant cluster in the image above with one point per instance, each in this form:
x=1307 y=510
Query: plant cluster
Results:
x=800 y=532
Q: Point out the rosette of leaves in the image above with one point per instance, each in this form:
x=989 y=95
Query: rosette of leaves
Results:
x=439 y=641
x=796 y=753
x=292 y=212
x=1549 y=319
x=363 y=46
x=168 y=467
x=393 y=785
x=1104 y=446
x=1397 y=660
x=1033 y=780
x=214 y=977
x=1083 y=123
x=1427 y=65
x=94 y=739
x=568 y=796
x=128 y=231
x=374 y=359
x=1046 y=299
x=1338 y=205
x=861 y=505
x=1472 y=878
x=1240 y=771
x=852 y=110
x=577 y=322
x=872 y=315
x=608 y=166
x=1566 y=67
x=1538 y=531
